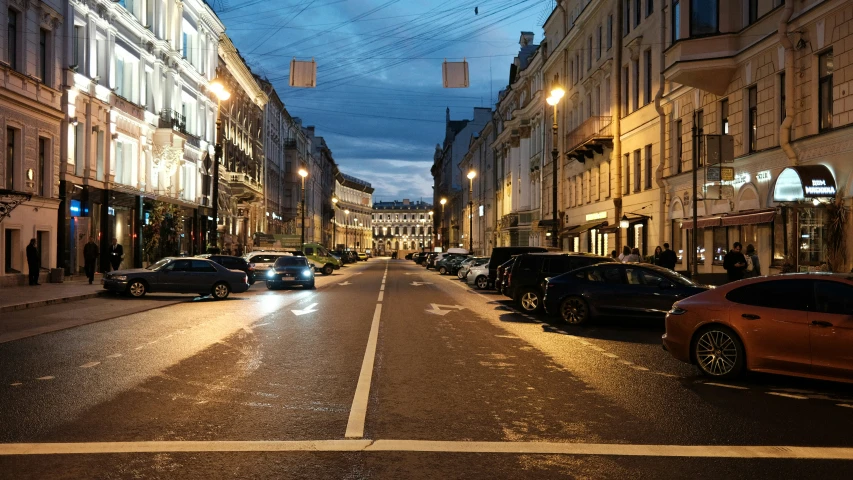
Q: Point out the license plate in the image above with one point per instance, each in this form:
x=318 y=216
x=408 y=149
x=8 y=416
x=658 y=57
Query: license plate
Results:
x=287 y=277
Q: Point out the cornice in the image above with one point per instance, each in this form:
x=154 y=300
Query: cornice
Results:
x=235 y=64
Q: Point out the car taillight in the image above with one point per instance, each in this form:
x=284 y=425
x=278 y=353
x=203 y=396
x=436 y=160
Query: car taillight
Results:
x=245 y=279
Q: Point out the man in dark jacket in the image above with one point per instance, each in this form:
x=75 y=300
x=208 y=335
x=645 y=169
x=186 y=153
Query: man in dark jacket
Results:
x=735 y=263
x=90 y=256
x=116 y=254
x=33 y=262
x=668 y=258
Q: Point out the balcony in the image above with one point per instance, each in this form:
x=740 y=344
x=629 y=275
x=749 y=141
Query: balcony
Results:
x=706 y=63
x=244 y=188
x=174 y=120
x=289 y=143
x=509 y=221
x=589 y=138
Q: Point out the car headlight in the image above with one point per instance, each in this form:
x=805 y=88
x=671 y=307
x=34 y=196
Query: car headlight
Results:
x=271 y=273
x=307 y=272
x=119 y=278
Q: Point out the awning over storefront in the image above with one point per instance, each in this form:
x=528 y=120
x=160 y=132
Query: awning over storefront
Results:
x=802 y=182
x=610 y=229
x=749 y=218
x=702 y=222
x=577 y=230
x=549 y=223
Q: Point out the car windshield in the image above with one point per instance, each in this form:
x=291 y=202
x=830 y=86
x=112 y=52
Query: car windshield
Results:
x=158 y=265
x=291 y=262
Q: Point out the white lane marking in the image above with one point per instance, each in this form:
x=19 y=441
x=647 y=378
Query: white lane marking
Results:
x=642 y=369
x=845 y=405
x=49 y=377
x=90 y=364
x=308 y=309
x=381 y=295
x=725 y=385
x=418 y=284
x=16 y=384
x=115 y=355
x=358 y=413
x=345 y=283
x=382 y=288
x=511 y=448
x=436 y=309
x=611 y=355
x=788 y=395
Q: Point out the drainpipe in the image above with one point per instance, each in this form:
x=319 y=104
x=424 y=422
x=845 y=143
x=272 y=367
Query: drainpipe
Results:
x=662 y=200
x=615 y=125
x=785 y=128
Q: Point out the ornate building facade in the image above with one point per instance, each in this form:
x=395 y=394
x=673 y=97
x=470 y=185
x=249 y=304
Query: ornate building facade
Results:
x=402 y=226
x=352 y=230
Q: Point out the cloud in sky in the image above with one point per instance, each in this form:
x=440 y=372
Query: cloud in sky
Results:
x=379 y=102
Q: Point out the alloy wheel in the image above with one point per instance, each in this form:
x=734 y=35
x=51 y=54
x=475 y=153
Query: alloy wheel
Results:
x=482 y=282
x=574 y=311
x=717 y=353
x=530 y=301
x=136 y=288
x=221 y=291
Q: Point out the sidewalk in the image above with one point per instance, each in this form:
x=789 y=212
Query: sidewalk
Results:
x=74 y=288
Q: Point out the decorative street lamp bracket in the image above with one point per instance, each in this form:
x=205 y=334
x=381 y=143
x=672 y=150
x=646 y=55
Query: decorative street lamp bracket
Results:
x=9 y=199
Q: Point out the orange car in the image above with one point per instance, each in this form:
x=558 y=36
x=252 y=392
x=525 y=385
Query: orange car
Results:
x=795 y=324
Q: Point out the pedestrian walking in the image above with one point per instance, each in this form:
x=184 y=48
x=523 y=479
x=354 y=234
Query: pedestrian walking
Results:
x=752 y=258
x=735 y=263
x=656 y=256
x=632 y=257
x=33 y=262
x=668 y=258
x=116 y=254
x=626 y=250
x=90 y=257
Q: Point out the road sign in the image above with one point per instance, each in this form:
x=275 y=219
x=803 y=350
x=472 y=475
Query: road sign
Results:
x=716 y=174
x=713 y=192
x=719 y=149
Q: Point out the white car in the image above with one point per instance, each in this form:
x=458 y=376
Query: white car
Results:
x=479 y=276
x=264 y=261
x=468 y=264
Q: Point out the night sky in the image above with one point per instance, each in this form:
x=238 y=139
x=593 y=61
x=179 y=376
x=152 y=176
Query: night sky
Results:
x=379 y=101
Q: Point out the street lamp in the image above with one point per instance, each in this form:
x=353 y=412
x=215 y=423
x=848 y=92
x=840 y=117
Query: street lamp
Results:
x=222 y=94
x=557 y=93
x=346 y=230
x=443 y=202
x=471 y=176
x=303 y=173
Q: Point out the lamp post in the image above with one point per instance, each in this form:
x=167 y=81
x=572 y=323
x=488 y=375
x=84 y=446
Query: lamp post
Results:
x=431 y=241
x=334 y=221
x=443 y=202
x=346 y=230
x=423 y=227
x=557 y=93
x=303 y=173
x=384 y=235
x=218 y=89
x=471 y=176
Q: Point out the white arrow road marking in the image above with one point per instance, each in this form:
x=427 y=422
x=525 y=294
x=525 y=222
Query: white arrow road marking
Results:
x=436 y=309
x=357 y=273
x=345 y=283
x=308 y=309
x=418 y=284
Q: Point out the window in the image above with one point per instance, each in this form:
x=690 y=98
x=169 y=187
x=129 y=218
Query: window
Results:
x=598 y=51
x=627 y=173
x=648 y=167
x=650 y=8
x=782 y=294
x=679 y=144
x=637 y=170
x=647 y=87
x=42 y=172
x=609 y=32
x=782 y=97
x=721 y=244
x=626 y=17
x=641 y=276
x=825 y=69
x=752 y=13
x=124 y=162
x=676 y=240
x=611 y=274
x=79 y=45
x=624 y=91
x=835 y=298
x=12 y=38
x=572 y=70
x=43 y=54
x=724 y=116
x=589 y=53
x=780 y=237
x=676 y=20
x=700 y=127
x=704 y=19
x=10 y=158
x=638 y=13
x=752 y=118
x=635 y=99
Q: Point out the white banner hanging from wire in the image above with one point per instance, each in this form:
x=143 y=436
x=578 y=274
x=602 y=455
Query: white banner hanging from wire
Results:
x=455 y=74
x=303 y=73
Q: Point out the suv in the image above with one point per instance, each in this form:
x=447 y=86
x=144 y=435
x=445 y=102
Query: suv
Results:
x=501 y=254
x=235 y=263
x=526 y=278
x=287 y=271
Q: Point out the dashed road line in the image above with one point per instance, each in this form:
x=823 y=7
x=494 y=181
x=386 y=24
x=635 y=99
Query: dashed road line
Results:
x=725 y=385
x=845 y=405
x=788 y=395
x=90 y=364
x=381 y=294
x=45 y=378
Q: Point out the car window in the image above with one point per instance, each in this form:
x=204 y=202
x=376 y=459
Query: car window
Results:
x=202 y=266
x=611 y=275
x=291 y=262
x=782 y=294
x=833 y=297
x=308 y=250
x=639 y=276
x=180 y=266
x=556 y=264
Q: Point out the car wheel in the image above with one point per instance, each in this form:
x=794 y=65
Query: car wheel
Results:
x=137 y=288
x=529 y=300
x=459 y=275
x=221 y=291
x=574 y=311
x=270 y=286
x=328 y=269
x=718 y=352
x=482 y=282
x=442 y=271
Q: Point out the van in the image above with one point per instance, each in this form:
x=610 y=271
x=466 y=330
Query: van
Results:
x=321 y=258
x=501 y=254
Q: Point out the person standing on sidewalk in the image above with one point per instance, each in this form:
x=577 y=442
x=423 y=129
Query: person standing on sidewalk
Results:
x=668 y=258
x=90 y=256
x=116 y=254
x=735 y=263
x=33 y=262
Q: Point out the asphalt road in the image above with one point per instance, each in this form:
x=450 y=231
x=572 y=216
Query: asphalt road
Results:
x=391 y=371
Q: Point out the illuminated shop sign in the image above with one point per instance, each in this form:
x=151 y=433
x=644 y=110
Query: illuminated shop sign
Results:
x=802 y=182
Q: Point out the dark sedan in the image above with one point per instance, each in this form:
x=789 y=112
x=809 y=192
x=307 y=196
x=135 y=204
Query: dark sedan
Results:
x=290 y=271
x=178 y=275
x=614 y=289
x=234 y=263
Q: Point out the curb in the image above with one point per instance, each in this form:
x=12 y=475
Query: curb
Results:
x=51 y=301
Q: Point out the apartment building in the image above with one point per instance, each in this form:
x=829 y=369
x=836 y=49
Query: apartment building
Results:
x=402 y=226
x=479 y=229
x=353 y=199
x=31 y=109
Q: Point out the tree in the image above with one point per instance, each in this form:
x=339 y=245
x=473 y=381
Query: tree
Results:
x=162 y=232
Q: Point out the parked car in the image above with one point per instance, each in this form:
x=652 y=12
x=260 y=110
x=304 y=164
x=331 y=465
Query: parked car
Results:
x=420 y=257
x=525 y=281
x=501 y=254
x=443 y=265
x=343 y=256
x=429 y=260
x=234 y=263
x=498 y=282
x=178 y=275
x=466 y=266
x=632 y=290
x=289 y=271
x=478 y=276
x=362 y=256
x=409 y=255
x=264 y=260
x=794 y=324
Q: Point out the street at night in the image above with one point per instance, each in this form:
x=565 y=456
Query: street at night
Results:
x=388 y=370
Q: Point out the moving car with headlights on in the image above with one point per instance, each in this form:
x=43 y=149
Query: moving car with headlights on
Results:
x=290 y=271
x=178 y=275
x=633 y=290
x=796 y=324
